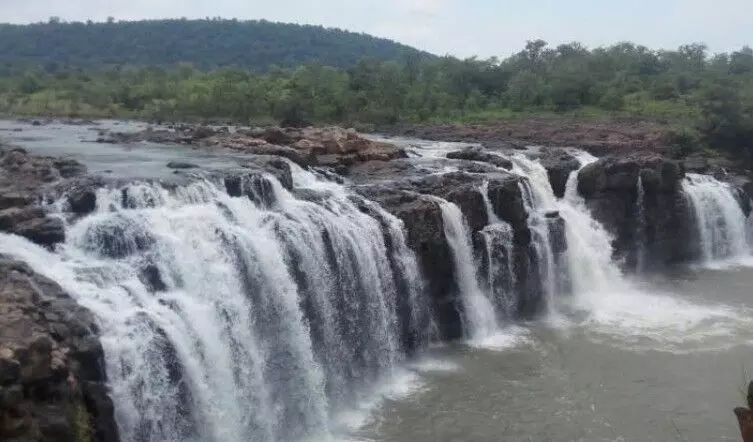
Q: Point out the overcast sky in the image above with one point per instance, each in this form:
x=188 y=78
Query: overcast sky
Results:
x=459 y=27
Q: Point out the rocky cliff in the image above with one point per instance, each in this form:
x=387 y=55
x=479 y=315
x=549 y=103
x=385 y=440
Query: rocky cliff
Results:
x=639 y=198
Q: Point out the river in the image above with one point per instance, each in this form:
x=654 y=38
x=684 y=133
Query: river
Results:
x=669 y=368
x=657 y=357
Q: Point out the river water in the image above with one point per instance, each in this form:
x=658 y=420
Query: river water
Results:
x=594 y=382
x=226 y=351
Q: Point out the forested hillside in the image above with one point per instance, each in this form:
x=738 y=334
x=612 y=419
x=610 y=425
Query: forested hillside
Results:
x=706 y=100
x=206 y=44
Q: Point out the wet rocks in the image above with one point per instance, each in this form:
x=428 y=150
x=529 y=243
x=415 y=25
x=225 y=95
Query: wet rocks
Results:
x=559 y=164
x=478 y=153
x=422 y=217
x=310 y=146
x=415 y=199
x=24 y=179
x=610 y=188
x=52 y=384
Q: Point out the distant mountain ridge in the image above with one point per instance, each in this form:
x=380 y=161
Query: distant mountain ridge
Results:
x=206 y=44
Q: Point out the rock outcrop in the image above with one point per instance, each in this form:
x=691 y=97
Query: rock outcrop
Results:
x=310 y=146
x=665 y=224
x=24 y=179
x=559 y=165
x=415 y=200
x=599 y=137
x=422 y=217
x=52 y=379
x=477 y=153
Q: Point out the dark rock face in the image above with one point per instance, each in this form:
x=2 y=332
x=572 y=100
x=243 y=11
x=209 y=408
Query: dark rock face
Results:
x=559 y=165
x=413 y=200
x=610 y=187
x=508 y=203
x=477 y=153
x=424 y=225
x=52 y=381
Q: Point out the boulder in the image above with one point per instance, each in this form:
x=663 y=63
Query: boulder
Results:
x=43 y=230
x=51 y=363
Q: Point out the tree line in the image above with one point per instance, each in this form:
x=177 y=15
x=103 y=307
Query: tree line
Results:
x=707 y=99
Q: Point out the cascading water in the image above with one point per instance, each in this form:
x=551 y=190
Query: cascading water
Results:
x=497 y=239
x=480 y=313
x=640 y=234
x=490 y=213
x=721 y=223
x=500 y=274
x=588 y=257
x=234 y=318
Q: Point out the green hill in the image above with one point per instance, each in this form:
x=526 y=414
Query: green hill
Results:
x=206 y=44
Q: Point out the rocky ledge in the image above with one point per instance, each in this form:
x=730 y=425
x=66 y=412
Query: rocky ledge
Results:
x=24 y=181
x=595 y=136
x=311 y=146
x=52 y=378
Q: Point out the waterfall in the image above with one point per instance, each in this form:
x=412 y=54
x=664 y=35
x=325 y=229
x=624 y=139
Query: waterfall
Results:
x=589 y=246
x=500 y=274
x=479 y=311
x=539 y=200
x=490 y=213
x=239 y=318
x=720 y=220
x=640 y=234
x=497 y=238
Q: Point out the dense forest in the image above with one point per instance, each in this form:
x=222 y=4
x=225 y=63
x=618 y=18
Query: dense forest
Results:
x=706 y=100
x=206 y=44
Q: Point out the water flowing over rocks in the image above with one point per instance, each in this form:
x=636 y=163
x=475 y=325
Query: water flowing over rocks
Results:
x=257 y=301
x=559 y=164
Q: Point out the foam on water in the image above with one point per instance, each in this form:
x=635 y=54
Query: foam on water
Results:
x=241 y=318
x=604 y=302
x=721 y=224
